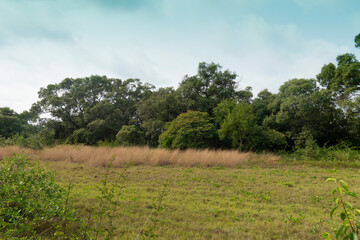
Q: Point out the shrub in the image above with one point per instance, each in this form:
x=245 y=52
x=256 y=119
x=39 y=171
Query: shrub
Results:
x=31 y=203
x=192 y=129
x=130 y=135
x=338 y=153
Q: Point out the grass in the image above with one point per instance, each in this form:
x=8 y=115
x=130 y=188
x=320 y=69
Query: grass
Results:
x=99 y=156
x=252 y=199
x=287 y=202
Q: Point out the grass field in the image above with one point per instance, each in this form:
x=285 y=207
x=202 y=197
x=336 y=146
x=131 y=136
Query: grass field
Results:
x=257 y=200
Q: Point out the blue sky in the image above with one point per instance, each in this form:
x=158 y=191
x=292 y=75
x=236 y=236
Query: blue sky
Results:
x=266 y=42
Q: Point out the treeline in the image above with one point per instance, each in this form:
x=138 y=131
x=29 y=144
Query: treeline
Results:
x=205 y=111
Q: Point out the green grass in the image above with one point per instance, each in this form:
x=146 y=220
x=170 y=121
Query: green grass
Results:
x=252 y=202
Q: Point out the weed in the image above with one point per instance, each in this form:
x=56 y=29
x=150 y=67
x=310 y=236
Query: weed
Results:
x=296 y=219
x=350 y=216
x=316 y=199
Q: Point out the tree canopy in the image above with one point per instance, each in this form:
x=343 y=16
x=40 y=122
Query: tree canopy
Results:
x=87 y=110
x=207 y=110
x=192 y=129
x=211 y=85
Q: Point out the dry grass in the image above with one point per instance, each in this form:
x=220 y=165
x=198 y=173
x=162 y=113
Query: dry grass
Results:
x=99 y=156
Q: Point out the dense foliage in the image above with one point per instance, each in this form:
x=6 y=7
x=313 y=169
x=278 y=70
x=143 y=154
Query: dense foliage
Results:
x=207 y=110
x=192 y=129
x=31 y=203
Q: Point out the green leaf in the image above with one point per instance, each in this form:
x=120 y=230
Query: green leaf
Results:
x=325 y=235
x=344 y=185
x=338 y=232
x=331 y=180
x=357 y=211
x=332 y=211
x=343 y=216
x=352 y=194
x=349 y=205
x=353 y=236
x=339 y=190
x=358 y=223
x=333 y=191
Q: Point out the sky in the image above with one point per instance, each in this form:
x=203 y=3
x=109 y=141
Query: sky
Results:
x=265 y=42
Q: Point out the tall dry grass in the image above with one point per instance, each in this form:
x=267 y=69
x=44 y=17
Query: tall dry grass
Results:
x=100 y=156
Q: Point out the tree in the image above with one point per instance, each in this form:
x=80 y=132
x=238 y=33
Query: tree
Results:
x=157 y=108
x=239 y=125
x=241 y=128
x=202 y=92
x=284 y=108
x=192 y=129
x=357 y=41
x=260 y=105
x=12 y=123
x=130 y=135
x=344 y=79
x=87 y=110
x=302 y=111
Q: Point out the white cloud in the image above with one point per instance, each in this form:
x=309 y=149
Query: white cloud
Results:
x=159 y=46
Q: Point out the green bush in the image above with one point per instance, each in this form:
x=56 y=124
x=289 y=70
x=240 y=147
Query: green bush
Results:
x=339 y=153
x=192 y=129
x=130 y=135
x=35 y=141
x=31 y=203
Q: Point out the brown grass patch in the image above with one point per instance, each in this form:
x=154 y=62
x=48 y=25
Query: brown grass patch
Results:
x=100 y=156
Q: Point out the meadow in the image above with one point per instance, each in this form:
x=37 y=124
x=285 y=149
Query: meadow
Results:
x=199 y=194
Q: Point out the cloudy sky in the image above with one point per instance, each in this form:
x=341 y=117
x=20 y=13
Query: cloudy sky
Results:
x=266 y=42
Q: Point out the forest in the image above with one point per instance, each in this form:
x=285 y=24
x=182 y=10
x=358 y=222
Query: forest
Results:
x=206 y=111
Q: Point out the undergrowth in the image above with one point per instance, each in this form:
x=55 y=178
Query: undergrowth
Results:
x=34 y=206
x=341 y=155
x=31 y=202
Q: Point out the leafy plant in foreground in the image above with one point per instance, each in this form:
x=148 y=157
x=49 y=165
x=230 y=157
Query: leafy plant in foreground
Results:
x=350 y=216
x=31 y=203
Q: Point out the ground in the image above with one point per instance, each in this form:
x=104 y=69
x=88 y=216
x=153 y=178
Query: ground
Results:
x=284 y=201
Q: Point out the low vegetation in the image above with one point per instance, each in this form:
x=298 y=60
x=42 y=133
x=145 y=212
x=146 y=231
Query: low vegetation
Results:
x=263 y=199
x=99 y=156
x=31 y=202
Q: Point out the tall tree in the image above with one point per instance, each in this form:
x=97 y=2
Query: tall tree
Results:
x=203 y=91
x=301 y=111
x=239 y=127
x=344 y=79
x=10 y=122
x=90 y=109
x=157 y=108
x=260 y=105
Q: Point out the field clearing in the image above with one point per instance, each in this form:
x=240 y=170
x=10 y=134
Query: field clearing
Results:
x=287 y=202
x=256 y=200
